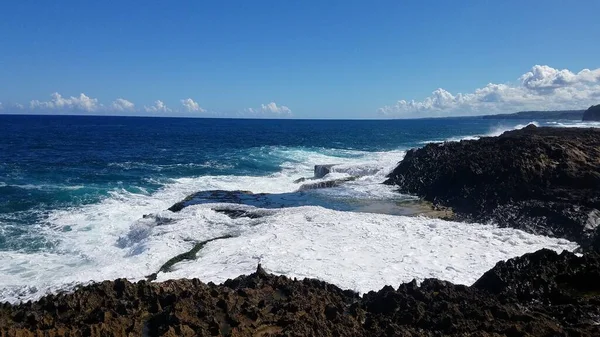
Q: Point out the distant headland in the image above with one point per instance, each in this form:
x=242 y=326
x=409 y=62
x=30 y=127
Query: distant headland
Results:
x=557 y=114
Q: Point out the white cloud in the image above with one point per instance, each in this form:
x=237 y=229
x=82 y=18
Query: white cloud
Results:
x=159 y=106
x=269 y=110
x=19 y=106
x=58 y=102
x=542 y=88
x=121 y=104
x=191 y=106
x=1 y=107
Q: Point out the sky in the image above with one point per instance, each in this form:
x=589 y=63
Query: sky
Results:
x=298 y=59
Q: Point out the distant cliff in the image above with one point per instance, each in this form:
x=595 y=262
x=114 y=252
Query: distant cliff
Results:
x=561 y=114
x=592 y=114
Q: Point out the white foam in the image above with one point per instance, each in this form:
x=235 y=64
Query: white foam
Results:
x=112 y=239
x=355 y=250
x=352 y=250
x=494 y=132
x=45 y=187
x=132 y=165
x=497 y=131
x=575 y=124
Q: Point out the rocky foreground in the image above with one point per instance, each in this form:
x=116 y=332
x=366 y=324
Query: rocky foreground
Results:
x=538 y=294
x=542 y=180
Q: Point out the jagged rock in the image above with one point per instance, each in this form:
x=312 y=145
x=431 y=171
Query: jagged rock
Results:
x=539 y=294
x=300 y=180
x=322 y=170
x=541 y=180
x=545 y=277
x=592 y=114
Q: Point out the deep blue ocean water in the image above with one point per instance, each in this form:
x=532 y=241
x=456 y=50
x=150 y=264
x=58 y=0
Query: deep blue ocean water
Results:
x=74 y=188
x=49 y=162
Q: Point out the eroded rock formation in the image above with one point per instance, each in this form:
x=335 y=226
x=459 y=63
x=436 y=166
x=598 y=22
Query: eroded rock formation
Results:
x=541 y=180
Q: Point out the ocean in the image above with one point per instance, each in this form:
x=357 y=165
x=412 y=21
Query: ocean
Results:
x=85 y=198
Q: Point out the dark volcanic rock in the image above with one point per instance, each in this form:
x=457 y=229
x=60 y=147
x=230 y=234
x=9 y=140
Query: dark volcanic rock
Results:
x=592 y=114
x=539 y=294
x=544 y=277
x=326 y=184
x=260 y=200
x=542 y=180
x=322 y=170
x=234 y=197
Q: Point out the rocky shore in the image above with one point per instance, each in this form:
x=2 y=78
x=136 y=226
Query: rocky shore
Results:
x=538 y=294
x=541 y=180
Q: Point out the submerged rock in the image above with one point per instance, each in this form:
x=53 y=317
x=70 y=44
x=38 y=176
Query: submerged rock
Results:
x=326 y=184
x=541 y=180
x=352 y=170
x=259 y=200
x=307 y=195
x=240 y=213
x=539 y=294
x=213 y=196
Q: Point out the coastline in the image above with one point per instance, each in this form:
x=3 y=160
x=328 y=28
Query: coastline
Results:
x=541 y=293
x=538 y=179
x=347 y=313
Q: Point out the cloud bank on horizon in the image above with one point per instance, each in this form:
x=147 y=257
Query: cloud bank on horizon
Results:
x=541 y=88
x=85 y=104
x=270 y=109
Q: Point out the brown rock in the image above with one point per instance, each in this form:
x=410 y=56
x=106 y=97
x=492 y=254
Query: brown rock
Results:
x=539 y=294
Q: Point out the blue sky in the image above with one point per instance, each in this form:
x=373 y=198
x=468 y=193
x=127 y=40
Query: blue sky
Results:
x=305 y=59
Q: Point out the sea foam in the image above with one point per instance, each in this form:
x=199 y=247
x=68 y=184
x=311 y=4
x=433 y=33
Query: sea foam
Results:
x=132 y=234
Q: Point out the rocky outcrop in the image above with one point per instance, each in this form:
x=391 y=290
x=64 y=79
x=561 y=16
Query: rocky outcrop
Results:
x=322 y=170
x=216 y=196
x=259 y=200
x=234 y=203
x=592 y=114
x=539 y=294
x=351 y=170
x=189 y=255
x=541 y=180
x=325 y=184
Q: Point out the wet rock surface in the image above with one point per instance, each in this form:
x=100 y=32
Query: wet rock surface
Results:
x=541 y=180
x=260 y=200
x=538 y=294
x=322 y=170
x=325 y=184
x=307 y=195
x=189 y=255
